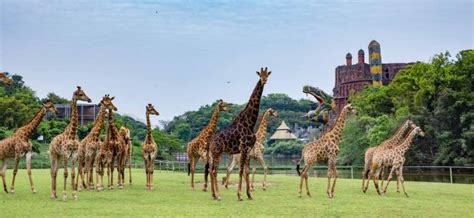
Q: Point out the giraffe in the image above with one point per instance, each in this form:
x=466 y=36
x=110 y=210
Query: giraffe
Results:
x=149 y=148
x=89 y=146
x=124 y=132
x=101 y=158
x=257 y=151
x=387 y=144
x=4 y=79
x=197 y=148
x=394 y=157
x=117 y=153
x=64 y=146
x=325 y=148
x=19 y=144
x=239 y=137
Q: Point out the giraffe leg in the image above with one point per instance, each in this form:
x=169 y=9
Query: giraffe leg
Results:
x=402 y=181
x=243 y=156
x=192 y=168
x=306 y=182
x=73 y=181
x=216 y=183
x=335 y=175
x=302 y=181
x=398 y=180
x=365 y=173
x=247 y=178
x=254 y=170
x=54 y=173
x=3 y=174
x=211 y=170
x=65 y=179
x=15 y=171
x=230 y=167
x=130 y=166
x=152 y=186
x=376 y=177
x=388 y=179
x=265 y=172
x=206 y=175
x=28 y=168
x=109 y=178
x=382 y=175
x=331 y=174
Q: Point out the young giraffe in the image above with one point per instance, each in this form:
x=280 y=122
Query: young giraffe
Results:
x=256 y=153
x=19 y=144
x=197 y=148
x=394 y=157
x=395 y=140
x=89 y=146
x=4 y=79
x=101 y=158
x=65 y=146
x=325 y=148
x=239 y=137
x=149 y=148
x=124 y=132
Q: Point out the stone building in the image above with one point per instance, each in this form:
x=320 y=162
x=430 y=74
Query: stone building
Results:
x=351 y=78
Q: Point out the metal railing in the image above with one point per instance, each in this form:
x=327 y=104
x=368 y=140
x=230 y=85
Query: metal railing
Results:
x=446 y=174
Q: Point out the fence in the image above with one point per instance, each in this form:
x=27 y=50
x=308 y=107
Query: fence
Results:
x=445 y=174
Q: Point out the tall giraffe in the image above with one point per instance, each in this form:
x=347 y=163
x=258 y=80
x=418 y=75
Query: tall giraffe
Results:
x=4 y=79
x=325 y=148
x=149 y=148
x=387 y=144
x=89 y=146
x=257 y=152
x=19 y=144
x=239 y=137
x=117 y=147
x=394 y=157
x=65 y=146
x=197 y=148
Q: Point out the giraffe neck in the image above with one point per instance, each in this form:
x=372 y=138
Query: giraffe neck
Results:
x=71 y=129
x=336 y=130
x=95 y=131
x=33 y=124
x=262 y=128
x=407 y=143
x=250 y=114
x=211 y=126
x=398 y=136
x=149 y=136
x=112 y=128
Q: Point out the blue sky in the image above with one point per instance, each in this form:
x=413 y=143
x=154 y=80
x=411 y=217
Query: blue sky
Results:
x=180 y=55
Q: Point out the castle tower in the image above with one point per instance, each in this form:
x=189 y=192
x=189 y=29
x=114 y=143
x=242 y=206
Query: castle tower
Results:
x=375 y=61
x=361 y=58
x=348 y=59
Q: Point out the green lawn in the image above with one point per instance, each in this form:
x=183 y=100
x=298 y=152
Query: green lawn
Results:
x=173 y=196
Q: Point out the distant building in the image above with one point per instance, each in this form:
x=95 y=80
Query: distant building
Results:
x=352 y=78
x=87 y=112
x=283 y=132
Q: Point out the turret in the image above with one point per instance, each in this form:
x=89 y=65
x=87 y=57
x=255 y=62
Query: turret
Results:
x=348 y=59
x=361 y=57
x=375 y=61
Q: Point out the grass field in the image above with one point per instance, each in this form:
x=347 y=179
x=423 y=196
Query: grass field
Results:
x=173 y=197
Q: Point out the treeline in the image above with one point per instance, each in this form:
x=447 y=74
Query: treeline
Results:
x=188 y=125
x=438 y=96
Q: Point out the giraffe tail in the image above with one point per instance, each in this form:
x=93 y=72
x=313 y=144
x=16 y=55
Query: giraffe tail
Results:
x=206 y=170
x=189 y=169
x=298 y=166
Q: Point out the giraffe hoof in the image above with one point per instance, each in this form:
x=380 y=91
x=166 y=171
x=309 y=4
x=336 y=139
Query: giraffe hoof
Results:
x=12 y=190
x=204 y=190
x=33 y=190
x=309 y=194
x=64 y=196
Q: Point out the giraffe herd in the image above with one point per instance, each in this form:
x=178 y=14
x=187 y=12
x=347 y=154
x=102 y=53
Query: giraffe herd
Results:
x=239 y=140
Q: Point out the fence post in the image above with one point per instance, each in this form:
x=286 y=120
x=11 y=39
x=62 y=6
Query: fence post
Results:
x=451 y=175
x=352 y=172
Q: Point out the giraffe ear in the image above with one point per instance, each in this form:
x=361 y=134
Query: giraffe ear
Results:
x=258 y=73
x=112 y=98
x=78 y=88
x=269 y=72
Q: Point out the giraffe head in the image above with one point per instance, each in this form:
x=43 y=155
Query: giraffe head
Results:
x=419 y=131
x=151 y=110
x=49 y=107
x=5 y=79
x=350 y=108
x=80 y=95
x=107 y=103
x=263 y=74
x=222 y=105
x=411 y=123
x=272 y=112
